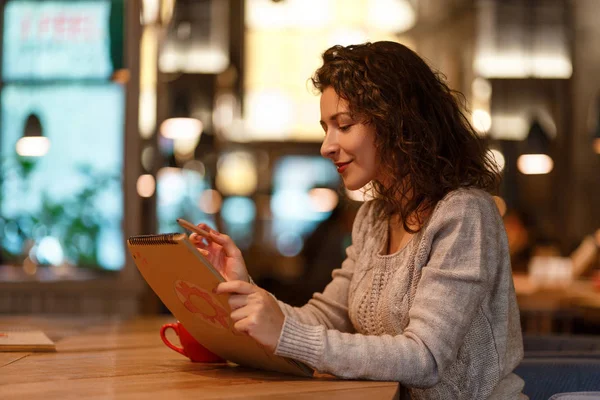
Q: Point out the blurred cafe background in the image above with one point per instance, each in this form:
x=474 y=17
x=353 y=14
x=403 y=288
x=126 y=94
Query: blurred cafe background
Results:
x=119 y=116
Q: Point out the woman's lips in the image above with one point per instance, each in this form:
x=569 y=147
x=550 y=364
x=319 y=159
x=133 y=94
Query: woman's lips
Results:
x=341 y=167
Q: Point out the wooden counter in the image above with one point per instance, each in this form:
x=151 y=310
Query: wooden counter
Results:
x=113 y=359
x=547 y=310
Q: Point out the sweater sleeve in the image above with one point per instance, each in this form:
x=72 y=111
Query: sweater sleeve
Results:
x=330 y=308
x=461 y=244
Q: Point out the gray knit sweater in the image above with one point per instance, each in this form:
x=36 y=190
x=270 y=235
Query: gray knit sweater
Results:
x=439 y=316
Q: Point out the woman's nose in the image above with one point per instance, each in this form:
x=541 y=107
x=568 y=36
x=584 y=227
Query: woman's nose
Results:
x=330 y=147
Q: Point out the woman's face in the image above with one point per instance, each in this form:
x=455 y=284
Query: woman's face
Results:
x=350 y=144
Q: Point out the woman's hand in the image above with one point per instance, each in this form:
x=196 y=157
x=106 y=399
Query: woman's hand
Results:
x=222 y=253
x=254 y=312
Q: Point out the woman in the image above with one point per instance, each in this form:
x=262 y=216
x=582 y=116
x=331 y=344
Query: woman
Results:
x=425 y=295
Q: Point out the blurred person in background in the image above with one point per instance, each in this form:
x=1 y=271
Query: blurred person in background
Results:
x=585 y=257
x=425 y=295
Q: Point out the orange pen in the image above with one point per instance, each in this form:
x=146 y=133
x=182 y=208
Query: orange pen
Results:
x=192 y=228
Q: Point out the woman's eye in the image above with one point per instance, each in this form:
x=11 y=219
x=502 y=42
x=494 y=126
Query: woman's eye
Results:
x=345 y=128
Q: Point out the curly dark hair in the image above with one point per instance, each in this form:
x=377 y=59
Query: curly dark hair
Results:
x=425 y=143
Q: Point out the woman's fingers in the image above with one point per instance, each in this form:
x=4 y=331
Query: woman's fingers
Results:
x=240 y=314
x=230 y=248
x=255 y=312
x=205 y=253
x=198 y=240
x=225 y=241
x=241 y=325
x=205 y=228
x=238 y=301
x=204 y=232
x=235 y=287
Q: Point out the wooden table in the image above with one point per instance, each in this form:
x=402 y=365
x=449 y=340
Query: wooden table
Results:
x=541 y=306
x=99 y=358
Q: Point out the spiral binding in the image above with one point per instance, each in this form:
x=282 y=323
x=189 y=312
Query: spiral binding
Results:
x=148 y=240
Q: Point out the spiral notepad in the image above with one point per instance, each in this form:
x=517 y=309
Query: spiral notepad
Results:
x=184 y=281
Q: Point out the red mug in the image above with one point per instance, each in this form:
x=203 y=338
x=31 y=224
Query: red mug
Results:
x=189 y=346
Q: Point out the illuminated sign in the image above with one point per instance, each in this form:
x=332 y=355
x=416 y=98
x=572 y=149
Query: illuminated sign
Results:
x=57 y=40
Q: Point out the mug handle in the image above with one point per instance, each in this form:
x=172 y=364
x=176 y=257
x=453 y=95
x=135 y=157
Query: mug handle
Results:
x=163 y=329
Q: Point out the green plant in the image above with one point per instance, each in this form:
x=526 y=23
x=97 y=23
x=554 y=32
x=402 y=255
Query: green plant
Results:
x=74 y=221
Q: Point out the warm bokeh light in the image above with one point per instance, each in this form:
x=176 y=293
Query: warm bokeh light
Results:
x=482 y=89
x=347 y=36
x=210 y=201
x=29 y=267
x=150 y=11
x=166 y=11
x=148 y=79
x=184 y=148
x=323 y=199
x=121 y=76
x=168 y=173
x=498 y=158
x=197 y=59
x=270 y=114
x=236 y=174
x=482 y=121
x=33 y=146
x=509 y=126
x=535 y=164
x=520 y=65
x=552 y=66
x=195 y=166
x=147 y=112
x=504 y=64
x=225 y=111
x=279 y=103
x=267 y=14
x=390 y=15
x=146 y=185
x=181 y=128
x=597 y=145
